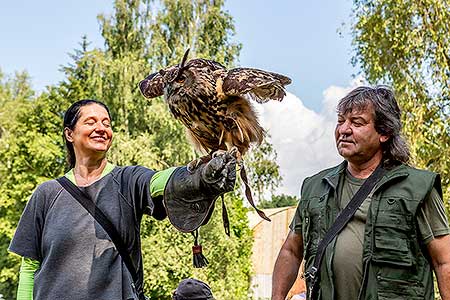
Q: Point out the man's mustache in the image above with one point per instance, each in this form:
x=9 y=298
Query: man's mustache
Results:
x=345 y=140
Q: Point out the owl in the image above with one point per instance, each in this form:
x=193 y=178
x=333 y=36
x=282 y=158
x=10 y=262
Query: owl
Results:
x=213 y=103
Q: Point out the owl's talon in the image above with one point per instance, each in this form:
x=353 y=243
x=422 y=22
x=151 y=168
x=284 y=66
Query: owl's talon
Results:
x=197 y=162
x=218 y=152
x=191 y=166
x=234 y=151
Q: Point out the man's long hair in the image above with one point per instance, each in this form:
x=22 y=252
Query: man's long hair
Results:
x=387 y=119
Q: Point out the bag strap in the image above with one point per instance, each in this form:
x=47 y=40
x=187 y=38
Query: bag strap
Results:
x=106 y=224
x=313 y=274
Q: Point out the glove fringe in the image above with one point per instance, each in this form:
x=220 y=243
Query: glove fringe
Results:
x=198 y=259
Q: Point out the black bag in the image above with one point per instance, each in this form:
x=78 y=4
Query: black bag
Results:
x=100 y=217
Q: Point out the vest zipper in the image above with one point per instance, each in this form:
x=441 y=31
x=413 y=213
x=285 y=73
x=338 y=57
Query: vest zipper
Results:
x=364 y=280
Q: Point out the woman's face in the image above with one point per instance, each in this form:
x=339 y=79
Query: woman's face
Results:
x=92 y=134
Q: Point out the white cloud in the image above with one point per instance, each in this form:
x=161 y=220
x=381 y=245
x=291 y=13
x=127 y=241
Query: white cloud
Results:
x=303 y=138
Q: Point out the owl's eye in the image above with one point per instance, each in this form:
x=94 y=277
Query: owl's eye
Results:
x=180 y=79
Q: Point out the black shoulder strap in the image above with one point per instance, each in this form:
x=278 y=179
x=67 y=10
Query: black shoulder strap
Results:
x=100 y=217
x=313 y=274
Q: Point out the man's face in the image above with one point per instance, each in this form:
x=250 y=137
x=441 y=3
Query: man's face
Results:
x=356 y=138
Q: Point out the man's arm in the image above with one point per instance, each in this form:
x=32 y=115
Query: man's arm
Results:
x=439 y=250
x=286 y=266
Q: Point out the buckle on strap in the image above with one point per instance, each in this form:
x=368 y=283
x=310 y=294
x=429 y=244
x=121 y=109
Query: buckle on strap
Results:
x=311 y=273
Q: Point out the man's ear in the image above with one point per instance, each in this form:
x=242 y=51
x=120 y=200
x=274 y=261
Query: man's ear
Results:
x=384 y=138
x=68 y=134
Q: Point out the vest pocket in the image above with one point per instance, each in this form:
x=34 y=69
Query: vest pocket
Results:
x=391 y=239
x=312 y=224
x=393 y=289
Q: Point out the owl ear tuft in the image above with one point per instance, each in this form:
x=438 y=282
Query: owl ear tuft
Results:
x=184 y=58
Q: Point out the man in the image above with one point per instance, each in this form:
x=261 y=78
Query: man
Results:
x=397 y=236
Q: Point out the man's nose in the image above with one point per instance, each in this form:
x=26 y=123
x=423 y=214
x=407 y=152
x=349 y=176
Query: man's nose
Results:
x=345 y=128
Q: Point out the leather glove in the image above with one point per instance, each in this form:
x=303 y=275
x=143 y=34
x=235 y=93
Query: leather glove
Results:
x=190 y=195
x=219 y=174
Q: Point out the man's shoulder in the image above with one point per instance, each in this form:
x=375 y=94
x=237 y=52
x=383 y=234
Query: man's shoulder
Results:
x=332 y=171
x=414 y=172
x=318 y=182
x=419 y=171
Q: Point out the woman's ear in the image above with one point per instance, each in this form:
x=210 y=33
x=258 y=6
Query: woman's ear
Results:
x=68 y=134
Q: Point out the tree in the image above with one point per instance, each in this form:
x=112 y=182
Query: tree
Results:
x=279 y=201
x=30 y=153
x=263 y=170
x=405 y=43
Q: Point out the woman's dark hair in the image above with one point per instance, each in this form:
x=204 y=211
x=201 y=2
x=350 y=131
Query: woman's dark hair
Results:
x=387 y=118
x=71 y=117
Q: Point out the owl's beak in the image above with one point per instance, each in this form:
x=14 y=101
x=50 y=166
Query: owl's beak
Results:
x=168 y=89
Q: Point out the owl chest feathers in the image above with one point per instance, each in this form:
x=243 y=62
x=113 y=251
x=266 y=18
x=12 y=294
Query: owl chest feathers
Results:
x=213 y=122
x=195 y=110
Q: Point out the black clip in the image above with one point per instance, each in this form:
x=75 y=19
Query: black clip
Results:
x=311 y=273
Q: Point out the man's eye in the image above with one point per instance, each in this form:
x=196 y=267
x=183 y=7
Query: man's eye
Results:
x=107 y=125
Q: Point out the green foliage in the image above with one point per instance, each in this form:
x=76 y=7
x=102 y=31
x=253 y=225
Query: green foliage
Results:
x=31 y=151
x=168 y=256
x=405 y=43
x=279 y=201
x=140 y=37
x=263 y=170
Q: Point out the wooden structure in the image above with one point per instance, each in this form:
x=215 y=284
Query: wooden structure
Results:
x=268 y=239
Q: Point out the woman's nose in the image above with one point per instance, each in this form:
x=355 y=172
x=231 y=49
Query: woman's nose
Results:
x=100 y=127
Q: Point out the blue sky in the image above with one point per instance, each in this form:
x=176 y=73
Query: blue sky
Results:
x=295 y=37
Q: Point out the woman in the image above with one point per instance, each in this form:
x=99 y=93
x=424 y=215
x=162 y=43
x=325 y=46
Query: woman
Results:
x=66 y=253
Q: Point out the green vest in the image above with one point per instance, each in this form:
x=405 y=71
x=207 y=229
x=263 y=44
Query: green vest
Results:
x=394 y=265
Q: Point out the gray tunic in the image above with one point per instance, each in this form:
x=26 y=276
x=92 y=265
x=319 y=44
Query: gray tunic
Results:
x=78 y=259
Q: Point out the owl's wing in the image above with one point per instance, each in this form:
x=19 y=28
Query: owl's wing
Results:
x=153 y=85
x=260 y=85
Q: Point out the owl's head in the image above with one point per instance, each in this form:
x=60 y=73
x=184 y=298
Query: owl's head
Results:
x=193 y=78
x=166 y=81
x=176 y=79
